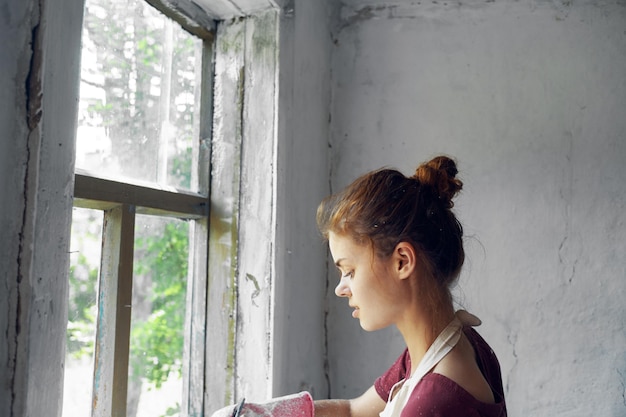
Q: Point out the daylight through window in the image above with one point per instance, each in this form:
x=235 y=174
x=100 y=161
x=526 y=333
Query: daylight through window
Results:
x=139 y=228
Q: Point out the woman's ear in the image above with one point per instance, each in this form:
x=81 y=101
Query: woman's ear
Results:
x=405 y=259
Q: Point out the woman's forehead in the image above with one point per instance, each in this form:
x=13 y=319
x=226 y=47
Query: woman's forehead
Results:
x=344 y=248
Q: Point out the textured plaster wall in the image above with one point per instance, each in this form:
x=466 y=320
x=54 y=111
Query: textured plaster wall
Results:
x=530 y=97
x=302 y=181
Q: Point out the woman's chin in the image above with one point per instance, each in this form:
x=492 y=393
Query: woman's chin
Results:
x=369 y=327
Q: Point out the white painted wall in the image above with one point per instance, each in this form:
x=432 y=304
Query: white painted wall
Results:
x=302 y=181
x=530 y=97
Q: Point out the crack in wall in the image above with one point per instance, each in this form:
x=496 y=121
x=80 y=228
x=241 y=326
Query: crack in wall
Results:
x=512 y=339
x=326 y=313
x=622 y=380
x=566 y=193
x=326 y=330
x=33 y=82
x=33 y=113
x=329 y=161
x=355 y=16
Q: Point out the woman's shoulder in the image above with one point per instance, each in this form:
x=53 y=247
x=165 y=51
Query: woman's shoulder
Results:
x=467 y=382
x=487 y=362
x=462 y=367
x=437 y=395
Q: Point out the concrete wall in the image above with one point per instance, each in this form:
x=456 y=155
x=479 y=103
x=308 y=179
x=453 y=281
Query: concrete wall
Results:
x=39 y=81
x=530 y=97
x=302 y=181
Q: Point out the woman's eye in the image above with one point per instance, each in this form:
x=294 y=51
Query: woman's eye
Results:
x=348 y=274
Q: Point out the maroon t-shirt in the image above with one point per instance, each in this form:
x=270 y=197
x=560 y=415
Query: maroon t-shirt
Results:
x=438 y=396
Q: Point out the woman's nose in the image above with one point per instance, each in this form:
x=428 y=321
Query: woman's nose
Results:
x=343 y=288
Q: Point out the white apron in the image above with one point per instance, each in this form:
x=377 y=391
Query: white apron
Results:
x=442 y=345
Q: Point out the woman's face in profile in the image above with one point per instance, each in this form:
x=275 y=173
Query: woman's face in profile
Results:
x=365 y=282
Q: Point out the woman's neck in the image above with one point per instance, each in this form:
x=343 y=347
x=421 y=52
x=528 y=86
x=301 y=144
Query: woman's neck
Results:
x=420 y=329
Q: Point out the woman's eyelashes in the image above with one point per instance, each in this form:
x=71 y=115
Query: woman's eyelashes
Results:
x=347 y=274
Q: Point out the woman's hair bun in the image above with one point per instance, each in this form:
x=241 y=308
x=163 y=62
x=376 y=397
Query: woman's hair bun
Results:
x=440 y=174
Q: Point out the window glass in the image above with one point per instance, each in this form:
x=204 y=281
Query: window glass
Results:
x=85 y=251
x=138 y=100
x=157 y=322
x=138 y=123
x=158 y=314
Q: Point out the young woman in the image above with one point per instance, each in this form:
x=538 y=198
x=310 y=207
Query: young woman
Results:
x=398 y=247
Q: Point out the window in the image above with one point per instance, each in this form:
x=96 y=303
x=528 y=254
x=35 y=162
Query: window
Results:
x=138 y=273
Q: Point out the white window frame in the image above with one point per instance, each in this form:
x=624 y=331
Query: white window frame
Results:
x=243 y=242
x=233 y=290
x=121 y=202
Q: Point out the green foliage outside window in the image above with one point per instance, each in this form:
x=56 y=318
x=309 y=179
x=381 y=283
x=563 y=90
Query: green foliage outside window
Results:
x=157 y=343
x=81 y=325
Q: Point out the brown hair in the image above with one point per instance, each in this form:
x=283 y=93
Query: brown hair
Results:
x=384 y=208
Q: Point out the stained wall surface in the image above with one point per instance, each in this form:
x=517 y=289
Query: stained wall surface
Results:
x=529 y=97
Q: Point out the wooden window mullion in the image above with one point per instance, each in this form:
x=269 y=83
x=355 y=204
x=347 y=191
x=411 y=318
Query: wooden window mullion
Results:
x=114 y=313
x=195 y=320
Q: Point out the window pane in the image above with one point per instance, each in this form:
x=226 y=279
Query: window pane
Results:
x=81 y=326
x=138 y=102
x=158 y=315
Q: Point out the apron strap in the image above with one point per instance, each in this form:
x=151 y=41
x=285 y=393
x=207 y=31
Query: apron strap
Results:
x=442 y=345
